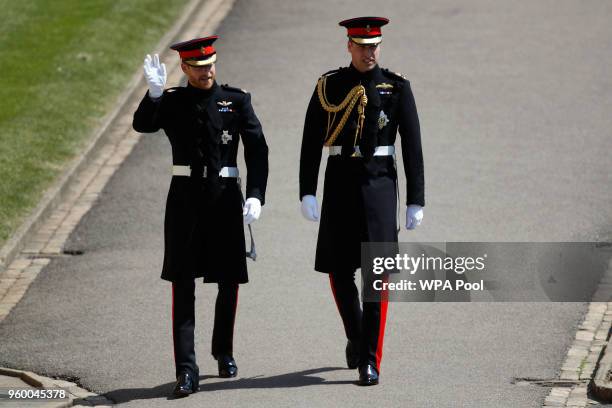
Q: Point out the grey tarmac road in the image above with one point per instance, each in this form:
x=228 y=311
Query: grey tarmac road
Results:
x=514 y=101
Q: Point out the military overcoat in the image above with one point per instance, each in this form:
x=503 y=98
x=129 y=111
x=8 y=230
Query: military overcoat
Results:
x=360 y=196
x=203 y=226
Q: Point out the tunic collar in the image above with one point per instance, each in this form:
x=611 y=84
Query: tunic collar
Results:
x=203 y=93
x=365 y=76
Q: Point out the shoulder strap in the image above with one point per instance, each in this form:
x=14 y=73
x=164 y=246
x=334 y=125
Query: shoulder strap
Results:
x=233 y=89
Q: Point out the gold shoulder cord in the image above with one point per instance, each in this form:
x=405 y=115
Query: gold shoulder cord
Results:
x=349 y=102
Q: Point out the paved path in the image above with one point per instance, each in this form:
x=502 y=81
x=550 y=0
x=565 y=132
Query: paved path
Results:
x=514 y=103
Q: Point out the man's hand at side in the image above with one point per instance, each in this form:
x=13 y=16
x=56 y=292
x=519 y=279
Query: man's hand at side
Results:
x=310 y=208
x=414 y=216
x=251 y=210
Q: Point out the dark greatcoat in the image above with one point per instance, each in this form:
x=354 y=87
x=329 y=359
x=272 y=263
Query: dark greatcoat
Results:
x=203 y=226
x=359 y=196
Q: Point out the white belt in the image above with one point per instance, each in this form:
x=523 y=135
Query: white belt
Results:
x=379 y=151
x=186 y=171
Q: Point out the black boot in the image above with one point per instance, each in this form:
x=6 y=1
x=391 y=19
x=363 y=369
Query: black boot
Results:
x=368 y=375
x=186 y=384
x=227 y=366
x=352 y=354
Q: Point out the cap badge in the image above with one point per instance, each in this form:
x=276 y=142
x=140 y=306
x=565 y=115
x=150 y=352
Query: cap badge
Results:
x=368 y=28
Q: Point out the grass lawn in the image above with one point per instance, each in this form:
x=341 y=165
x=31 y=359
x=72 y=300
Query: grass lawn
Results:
x=62 y=65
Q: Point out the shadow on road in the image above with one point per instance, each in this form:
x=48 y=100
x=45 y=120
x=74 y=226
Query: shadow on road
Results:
x=296 y=379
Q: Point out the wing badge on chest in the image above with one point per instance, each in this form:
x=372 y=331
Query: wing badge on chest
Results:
x=225 y=106
x=384 y=88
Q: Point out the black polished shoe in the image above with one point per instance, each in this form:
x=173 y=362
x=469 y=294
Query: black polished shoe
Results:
x=352 y=354
x=227 y=366
x=185 y=384
x=368 y=375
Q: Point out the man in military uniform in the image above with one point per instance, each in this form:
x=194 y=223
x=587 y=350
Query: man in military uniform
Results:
x=356 y=112
x=204 y=232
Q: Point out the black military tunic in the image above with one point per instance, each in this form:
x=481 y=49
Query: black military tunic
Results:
x=359 y=198
x=204 y=233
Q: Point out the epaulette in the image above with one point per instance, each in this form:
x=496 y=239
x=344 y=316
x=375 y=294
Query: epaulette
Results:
x=394 y=75
x=231 y=88
x=332 y=72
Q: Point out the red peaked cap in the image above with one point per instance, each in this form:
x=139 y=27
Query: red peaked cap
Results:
x=198 y=51
x=365 y=30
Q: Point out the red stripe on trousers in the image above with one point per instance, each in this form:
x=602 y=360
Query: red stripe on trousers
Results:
x=236 y=302
x=331 y=283
x=173 y=348
x=384 y=303
x=235 y=308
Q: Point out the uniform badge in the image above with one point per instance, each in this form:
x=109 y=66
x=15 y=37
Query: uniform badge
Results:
x=384 y=88
x=382 y=120
x=224 y=106
x=226 y=137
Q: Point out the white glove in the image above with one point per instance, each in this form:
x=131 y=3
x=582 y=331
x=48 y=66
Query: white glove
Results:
x=155 y=74
x=414 y=216
x=251 y=210
x=310 y=208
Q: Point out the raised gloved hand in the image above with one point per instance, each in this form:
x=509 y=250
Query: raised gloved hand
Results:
x=251 y=210
x=310 y=208
x=155 y=74
x=414 y=216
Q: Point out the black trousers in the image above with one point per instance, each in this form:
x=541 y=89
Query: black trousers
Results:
x=364 y=328
x=183 y=323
